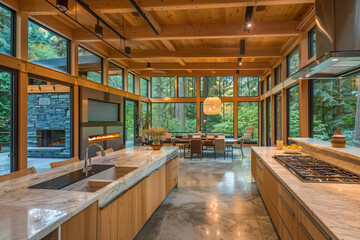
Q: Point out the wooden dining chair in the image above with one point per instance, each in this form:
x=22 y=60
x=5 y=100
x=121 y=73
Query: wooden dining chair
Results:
x=65 y=162
x=196 y=146
x=106 y=151
x=219 y=146
x=239 y=144
x=17 y=174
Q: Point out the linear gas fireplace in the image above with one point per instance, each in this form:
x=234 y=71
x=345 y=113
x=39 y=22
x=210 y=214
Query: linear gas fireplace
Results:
x=50 y=138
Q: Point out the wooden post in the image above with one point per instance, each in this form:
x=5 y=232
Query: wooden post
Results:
x=284 y=115
x=198 y=110
x=235 y=108
x=22 y=120
x=304 y=108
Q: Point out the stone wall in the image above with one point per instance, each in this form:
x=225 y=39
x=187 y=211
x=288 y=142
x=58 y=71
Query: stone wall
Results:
x=48 y=111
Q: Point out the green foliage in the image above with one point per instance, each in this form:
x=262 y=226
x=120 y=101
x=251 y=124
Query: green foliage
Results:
x=221 y=123
x=217 y=86
x=116 y=81
x=130 y=120
x=162 y=87
x=248 y=86
x=44 y=44
x=5 y=106
x=187 y=86
x=131 y=82
x=334 y=104
x=5 y=30
x=248 y=116
x=144 y=86
x=294 y=111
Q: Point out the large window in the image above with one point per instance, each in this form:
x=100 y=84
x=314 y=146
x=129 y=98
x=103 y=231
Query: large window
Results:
x=177 y=117
x=268 y=82
x=248 y=116
x=162 y=87
x=49 y=123
x=47 y=48
x=90 y=65
x=116 y=76
x=221 y=123
x=277 y=74
x=334 y=103
x=217 y=86
x=293 y=111
x=278 y=113
x=131 y=82
x=248 y=86
x=292 y=62
x=131 y=109
x=262 y=123
x=7 y=33
x=268 y=121
x=186 y=87
x=312 y=42
x=7 y=123
x=144 y=87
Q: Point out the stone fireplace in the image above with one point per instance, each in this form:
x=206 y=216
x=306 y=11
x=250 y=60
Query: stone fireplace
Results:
x=50 y=138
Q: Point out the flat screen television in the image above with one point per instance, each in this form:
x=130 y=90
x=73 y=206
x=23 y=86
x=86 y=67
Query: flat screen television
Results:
x=100 y=111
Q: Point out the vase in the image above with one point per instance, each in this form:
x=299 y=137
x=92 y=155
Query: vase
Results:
x=156 y=144
x=338 y=140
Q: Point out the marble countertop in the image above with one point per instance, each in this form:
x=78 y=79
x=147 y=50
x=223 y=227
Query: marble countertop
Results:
x=336 y=207
x=33 y=213
x=349 y=151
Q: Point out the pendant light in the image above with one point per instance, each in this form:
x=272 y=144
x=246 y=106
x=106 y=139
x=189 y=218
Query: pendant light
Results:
x=212 y=106
x=63 y=5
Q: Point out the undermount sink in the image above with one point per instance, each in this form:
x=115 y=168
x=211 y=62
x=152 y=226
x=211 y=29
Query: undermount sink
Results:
x=99 y=177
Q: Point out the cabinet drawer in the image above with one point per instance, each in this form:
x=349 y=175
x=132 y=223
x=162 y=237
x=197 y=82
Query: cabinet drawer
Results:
x=287 y=207
x=284 y=232
x=270 y=185
x=309 y=226
x=271 y=209
x=260 y=169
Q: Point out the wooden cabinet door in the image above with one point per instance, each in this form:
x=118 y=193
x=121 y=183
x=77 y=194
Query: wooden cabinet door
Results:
x=108 y=222
x=155 y=190
x=131 y=212
x=82 y=226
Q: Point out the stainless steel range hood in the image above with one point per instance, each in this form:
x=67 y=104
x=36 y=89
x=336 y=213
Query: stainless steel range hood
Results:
x=337 y=40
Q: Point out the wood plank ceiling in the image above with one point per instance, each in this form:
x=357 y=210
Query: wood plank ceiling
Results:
x=194 y=35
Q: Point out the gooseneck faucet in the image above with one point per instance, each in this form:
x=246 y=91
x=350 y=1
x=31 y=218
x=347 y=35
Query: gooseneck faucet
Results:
x=87 y=164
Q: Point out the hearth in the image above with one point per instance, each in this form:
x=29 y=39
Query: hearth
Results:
x=50 y=138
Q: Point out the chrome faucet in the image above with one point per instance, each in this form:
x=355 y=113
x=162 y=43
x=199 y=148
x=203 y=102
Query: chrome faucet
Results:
x=87 y=165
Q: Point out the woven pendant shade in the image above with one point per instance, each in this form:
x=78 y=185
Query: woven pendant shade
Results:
x=212 y=106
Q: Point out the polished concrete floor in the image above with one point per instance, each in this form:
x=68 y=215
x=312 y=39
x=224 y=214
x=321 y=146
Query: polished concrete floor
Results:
x=215 y=199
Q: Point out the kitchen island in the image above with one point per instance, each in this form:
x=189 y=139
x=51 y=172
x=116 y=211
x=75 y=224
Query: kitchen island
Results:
x=117 y=210
x=306 y=210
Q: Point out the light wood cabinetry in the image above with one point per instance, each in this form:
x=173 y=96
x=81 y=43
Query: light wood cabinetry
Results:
x=82 y=226
x=290 y=218
x=155 y=191
x=123 y=217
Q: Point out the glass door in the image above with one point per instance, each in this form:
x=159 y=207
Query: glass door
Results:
x=7 y=123
x=131 y=109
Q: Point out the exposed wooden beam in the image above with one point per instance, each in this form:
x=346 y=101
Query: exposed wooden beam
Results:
x=258 y=73
x=203 y=66
x=202 y=53
x=168 y=45
x=181 y=62
x=202 y=31
x=116 y=6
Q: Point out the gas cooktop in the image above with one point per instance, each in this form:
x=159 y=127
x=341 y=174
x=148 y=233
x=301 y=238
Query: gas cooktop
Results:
x=310 y=169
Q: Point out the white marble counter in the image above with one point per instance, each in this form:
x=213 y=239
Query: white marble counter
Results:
x=336 y=207
x=33 y=213
x=348 y=151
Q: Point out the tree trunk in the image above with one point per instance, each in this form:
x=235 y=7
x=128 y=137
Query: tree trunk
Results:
x=357 y=118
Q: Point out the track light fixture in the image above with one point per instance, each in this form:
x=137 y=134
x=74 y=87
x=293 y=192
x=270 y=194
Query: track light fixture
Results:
x=148 y=65
x=128 y=51
x=237 y=71
x=98 y=30
x=239 y=63
x=248 y=17
x=63 y=5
